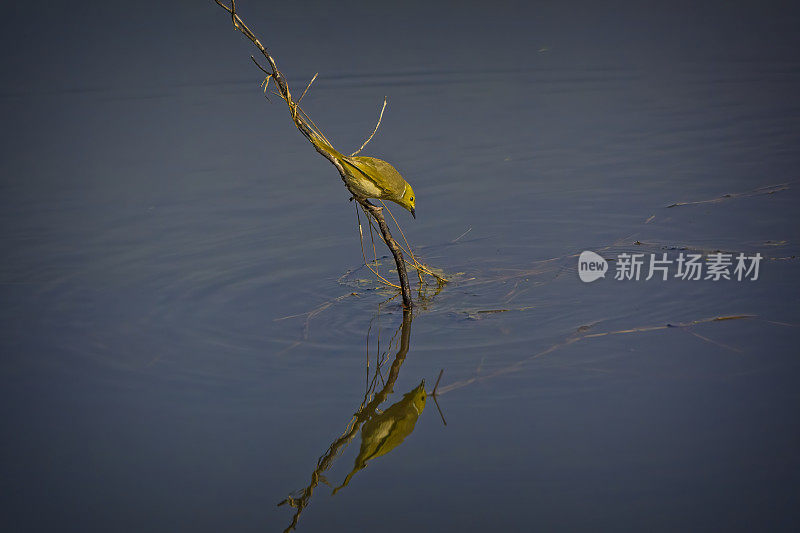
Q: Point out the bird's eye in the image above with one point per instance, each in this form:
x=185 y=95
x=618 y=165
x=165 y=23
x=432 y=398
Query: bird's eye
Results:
x=412 y=198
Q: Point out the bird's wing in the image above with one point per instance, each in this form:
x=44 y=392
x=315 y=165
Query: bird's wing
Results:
x=379 y=172
x=401 y=428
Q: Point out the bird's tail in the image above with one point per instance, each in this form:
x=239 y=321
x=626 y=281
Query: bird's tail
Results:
x=322 y=144
x=356 y=469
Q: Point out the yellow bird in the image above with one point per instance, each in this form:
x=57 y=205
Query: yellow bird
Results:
x=386 y=431
x=370 y=177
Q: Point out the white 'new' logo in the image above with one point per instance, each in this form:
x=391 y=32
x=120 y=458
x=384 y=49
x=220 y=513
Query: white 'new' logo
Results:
x=591 y=266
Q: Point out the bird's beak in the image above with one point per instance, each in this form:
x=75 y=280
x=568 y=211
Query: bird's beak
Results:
x=413 y=214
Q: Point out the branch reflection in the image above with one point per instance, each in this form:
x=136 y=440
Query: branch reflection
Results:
x=381 y=431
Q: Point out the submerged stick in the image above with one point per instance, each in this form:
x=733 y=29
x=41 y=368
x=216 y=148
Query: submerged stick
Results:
x=377 y=214
x=306 y=126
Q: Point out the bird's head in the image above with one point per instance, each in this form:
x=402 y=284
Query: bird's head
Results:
x=407 y=200
x=417 y=397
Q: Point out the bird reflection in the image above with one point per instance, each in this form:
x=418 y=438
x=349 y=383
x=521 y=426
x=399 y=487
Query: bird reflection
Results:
x=381 y=431
x=384 y=432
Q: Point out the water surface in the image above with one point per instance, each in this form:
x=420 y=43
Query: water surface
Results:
x=186 y=323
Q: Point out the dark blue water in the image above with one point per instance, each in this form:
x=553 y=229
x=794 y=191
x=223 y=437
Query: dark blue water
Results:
x=185 y=318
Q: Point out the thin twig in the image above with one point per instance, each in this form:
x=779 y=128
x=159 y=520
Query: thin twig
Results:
x=459 y=237
x=436 y=386
x=579 y=336
x=434 y=395
x=307 y=88
x=378 y=125
x=364 y=255
x=438 y=408
x=417 y=265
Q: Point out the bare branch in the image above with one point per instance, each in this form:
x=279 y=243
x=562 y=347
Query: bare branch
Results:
x=309 y=130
